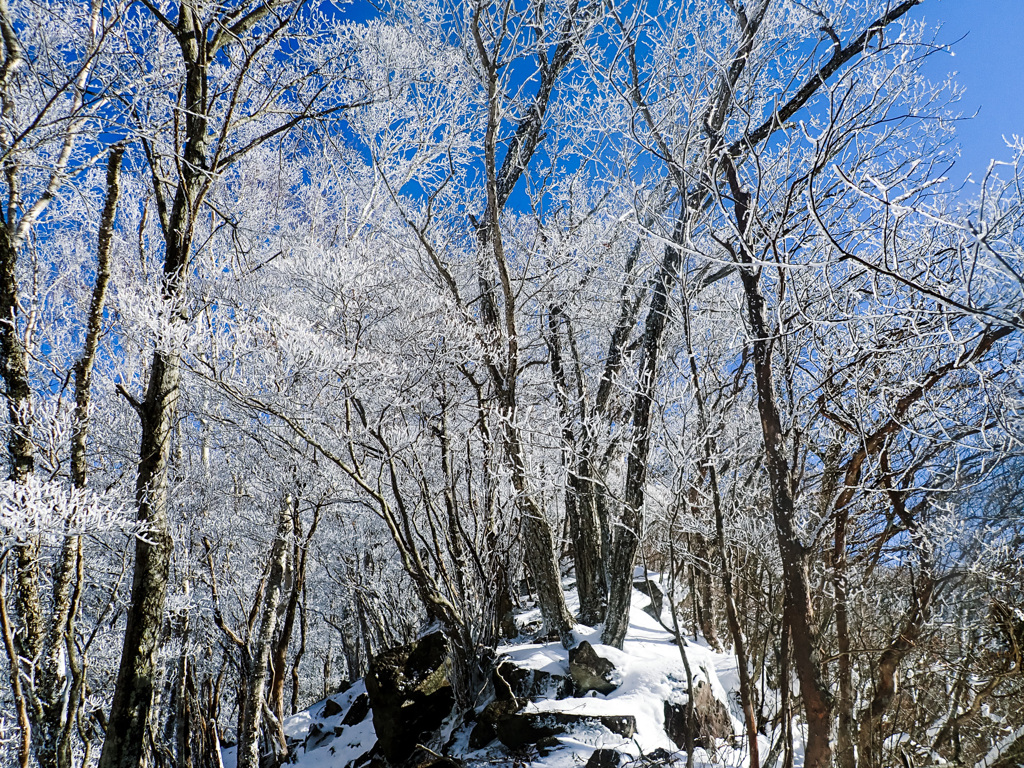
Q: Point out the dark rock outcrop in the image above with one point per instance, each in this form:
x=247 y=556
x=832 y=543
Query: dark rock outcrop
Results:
x=409 y=694
x=331 y=709
x=659 y=757
x=710 y=719
x=512 y=681
x=589 y=671
x=482 y=735
x=499 y=710
x=519 y=729
x=314 y=737
x=605 y=758
x=358 y=711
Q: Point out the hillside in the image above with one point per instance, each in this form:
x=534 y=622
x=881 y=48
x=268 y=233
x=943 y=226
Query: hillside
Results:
x=554 y=721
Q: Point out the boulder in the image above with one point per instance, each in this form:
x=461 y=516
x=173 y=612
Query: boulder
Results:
x=605 y=758
x=331 y=709
x=482 y=735
x=659 y=757
x=589 y=671
x=710 y=719
x=358 y=711
x=314 y=737
x=499 y=710
x=512 y=681
x=409 y=694
x=520 y=729
x=547 y=745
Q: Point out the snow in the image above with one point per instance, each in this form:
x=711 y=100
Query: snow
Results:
x=336 y=746
x=649 y=669
x=651 y=672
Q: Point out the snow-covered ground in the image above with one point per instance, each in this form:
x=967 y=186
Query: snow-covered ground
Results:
x=649 y=671
x=326 y=741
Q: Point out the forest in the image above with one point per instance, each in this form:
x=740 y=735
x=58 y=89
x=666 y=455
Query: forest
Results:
x=327 y=326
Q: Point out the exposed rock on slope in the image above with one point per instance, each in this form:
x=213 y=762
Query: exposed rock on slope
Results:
x=591 y=672
x=596 y=705
x=709 y=721
x=409 y=695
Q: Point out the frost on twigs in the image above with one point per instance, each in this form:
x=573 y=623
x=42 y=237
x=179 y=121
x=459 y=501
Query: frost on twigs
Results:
x=45 y=508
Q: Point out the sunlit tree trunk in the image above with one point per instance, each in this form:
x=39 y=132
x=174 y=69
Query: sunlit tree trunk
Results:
x=798 y=611
x=256 y=654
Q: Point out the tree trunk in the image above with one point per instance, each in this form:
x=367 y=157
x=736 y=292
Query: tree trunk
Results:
x=124 y=745
x=869 y=738
x=580 y=494
x=47 y=642
x=256 y=655
x=738 y=638
x=28 y=639
x=845 y=754
x=798 y=611
x=627 y=537
x=704 y=597
x=129 y=711
x=51 y=749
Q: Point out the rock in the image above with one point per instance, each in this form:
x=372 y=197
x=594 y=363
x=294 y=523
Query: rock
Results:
x=659 y=756
x=605 y=758
x=315 y=737
x=623 y=725
x=516 y=731
x=498 y=710
x=589 y=671
x=675 y=724
x=520 y=729
x=482 y=735
x=358 y=711
x=512 y=681
x=710 y=719
x=366 y=759
x=653 y=591
x=331 y=709
x=547 y=745
x=434 y=761
x=409 y=694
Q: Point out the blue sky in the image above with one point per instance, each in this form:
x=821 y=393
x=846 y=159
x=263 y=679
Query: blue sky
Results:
x=989 y=63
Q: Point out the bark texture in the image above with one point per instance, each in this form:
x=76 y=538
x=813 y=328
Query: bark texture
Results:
x=626 y=539
x=798 y=610
x=256 y=655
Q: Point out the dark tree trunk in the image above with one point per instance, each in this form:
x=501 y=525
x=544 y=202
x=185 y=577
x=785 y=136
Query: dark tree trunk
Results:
x=123 y=746
x=257 y=653
x=869 y=737
x=798 y=611
x=581 y=494
x=627 y=536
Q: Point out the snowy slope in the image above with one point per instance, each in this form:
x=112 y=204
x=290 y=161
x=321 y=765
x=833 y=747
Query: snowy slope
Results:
x=649 y=671
x=325 y=741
